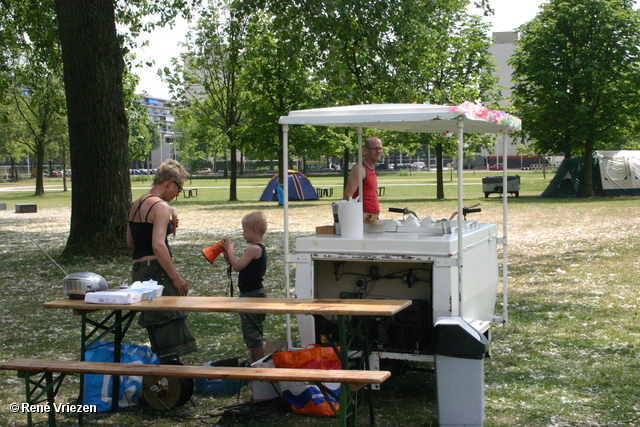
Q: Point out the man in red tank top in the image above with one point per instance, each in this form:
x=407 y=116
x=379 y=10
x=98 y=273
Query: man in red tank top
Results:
x=372 y=155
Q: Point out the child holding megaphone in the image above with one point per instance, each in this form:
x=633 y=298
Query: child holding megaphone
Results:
x=212 y=252
x=252 y=266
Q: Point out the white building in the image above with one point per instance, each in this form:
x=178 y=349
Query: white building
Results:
x=502 y=50
x=161 y=115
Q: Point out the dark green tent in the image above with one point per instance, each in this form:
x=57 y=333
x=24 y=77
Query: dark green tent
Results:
x=615 y=173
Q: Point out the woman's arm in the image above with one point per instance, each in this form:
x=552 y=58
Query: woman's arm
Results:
x=130 y=238
x=161 y=216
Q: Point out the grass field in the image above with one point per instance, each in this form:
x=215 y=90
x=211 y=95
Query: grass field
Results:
x=568 y=358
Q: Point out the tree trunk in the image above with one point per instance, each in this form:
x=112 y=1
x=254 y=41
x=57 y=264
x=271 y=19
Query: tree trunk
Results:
x=39 y=169
x=345 y=169
x=233 y=181
x=98 y=129
x=588 y=168
x=15 y=176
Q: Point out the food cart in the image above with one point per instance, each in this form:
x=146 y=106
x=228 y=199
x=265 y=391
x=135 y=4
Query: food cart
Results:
x=448 y=268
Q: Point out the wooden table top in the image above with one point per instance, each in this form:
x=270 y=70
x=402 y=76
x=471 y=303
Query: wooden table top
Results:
x=350 y=307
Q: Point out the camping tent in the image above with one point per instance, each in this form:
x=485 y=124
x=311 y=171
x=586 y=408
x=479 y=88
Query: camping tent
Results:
x=300 y=188
x=615 y=173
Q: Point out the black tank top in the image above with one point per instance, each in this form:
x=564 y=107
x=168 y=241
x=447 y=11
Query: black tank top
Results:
x=250 y=277
x=142 y=233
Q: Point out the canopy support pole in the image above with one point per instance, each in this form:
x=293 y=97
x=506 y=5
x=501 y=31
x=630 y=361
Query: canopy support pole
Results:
x=361 y=169
x=285 y=200
x=505 y=241
x=456 y=294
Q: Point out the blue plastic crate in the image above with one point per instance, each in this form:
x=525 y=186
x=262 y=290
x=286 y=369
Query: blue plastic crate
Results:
x=226 y=388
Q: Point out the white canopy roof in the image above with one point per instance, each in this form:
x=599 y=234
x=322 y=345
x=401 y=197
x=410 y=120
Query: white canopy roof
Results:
x=419 y=118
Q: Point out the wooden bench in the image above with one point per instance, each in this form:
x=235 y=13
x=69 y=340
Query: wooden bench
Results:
x=325 y=192
x=189 y=192
x=46 y=387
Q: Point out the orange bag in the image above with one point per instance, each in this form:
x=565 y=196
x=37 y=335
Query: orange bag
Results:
x=305 y=398
x=317 y=357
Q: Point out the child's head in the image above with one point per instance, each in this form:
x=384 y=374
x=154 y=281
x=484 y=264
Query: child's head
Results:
x=257 y=220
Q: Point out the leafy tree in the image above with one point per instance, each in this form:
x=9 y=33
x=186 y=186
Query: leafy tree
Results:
x=279 y=77
x=33 y=77
x=209 y=81
x=92 y=54
x=13 y=135
x=401 y=51
x=197 y=140
x=577 y=74
x=41 y=109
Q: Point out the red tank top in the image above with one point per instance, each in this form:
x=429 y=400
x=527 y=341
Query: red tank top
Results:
x=370 y=191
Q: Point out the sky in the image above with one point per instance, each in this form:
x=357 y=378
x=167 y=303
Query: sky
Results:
x=164 y=42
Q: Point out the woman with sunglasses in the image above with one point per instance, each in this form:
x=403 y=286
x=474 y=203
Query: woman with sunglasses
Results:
x=150 y=222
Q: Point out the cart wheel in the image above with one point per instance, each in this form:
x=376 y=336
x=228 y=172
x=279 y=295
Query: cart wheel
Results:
x=187 y=386
x=162 y=393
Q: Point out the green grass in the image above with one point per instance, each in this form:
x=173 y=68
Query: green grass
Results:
x=569 y=356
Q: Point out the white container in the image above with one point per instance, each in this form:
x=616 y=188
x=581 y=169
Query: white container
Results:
x=350 y=219
x=139 y=291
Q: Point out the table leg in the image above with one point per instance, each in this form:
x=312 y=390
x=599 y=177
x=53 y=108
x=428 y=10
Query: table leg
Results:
x=51 y=398
x=117 y=341
x=347 y=335
x=348 y=400
x=36 y=389
x=83 y=349
x=114 y=323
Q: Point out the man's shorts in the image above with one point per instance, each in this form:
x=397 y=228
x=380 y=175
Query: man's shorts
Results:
x=369 y=216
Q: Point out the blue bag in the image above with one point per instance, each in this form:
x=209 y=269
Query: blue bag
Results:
x=98 y=388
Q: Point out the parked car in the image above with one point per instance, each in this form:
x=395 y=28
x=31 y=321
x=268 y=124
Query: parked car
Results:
x=496 y=167
x=204 y=172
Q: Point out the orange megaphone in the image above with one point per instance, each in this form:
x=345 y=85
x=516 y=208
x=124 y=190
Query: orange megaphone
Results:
x=212 y=252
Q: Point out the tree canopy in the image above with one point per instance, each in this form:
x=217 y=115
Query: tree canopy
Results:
x=577 y=77
x=299 y=55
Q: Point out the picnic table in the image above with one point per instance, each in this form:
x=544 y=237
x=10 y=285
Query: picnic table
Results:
x=119 y=317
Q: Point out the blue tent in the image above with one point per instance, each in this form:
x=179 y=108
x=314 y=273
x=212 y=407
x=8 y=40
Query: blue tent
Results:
x=300 y=188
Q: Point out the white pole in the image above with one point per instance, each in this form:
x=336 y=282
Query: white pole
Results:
x=505 y=264
x=361 y=169
x=285 y=200
x=456 y=295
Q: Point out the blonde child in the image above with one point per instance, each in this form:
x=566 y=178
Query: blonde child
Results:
x=251 y=266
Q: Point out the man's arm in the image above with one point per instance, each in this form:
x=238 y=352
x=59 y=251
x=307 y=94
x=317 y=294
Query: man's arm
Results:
x=353 y=182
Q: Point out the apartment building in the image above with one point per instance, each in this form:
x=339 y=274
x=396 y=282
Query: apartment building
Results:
x=160 y=113
x=503 y=48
